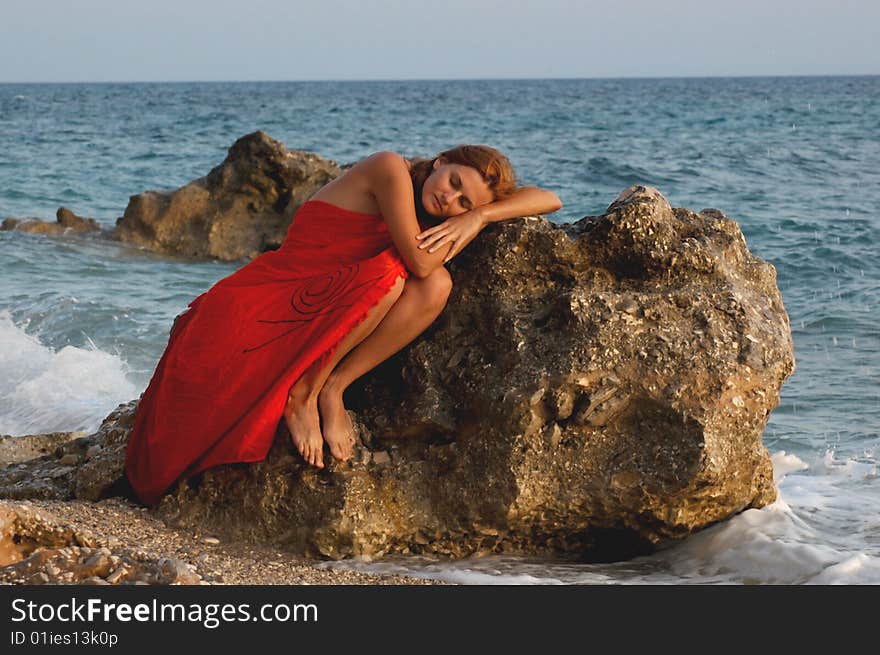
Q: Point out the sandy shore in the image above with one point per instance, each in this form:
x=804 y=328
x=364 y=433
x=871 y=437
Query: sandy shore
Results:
x=120 y=526
x=55 y=537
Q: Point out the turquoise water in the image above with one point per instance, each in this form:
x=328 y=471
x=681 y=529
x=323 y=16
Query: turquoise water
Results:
x=795 y=160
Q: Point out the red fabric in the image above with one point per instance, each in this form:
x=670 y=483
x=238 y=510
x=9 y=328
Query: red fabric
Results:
x=221 y=386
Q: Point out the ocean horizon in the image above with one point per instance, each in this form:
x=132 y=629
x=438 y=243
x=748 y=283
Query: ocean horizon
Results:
x=456 y=79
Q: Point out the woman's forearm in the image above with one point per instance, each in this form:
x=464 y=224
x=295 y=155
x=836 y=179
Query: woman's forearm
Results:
x=527 y=201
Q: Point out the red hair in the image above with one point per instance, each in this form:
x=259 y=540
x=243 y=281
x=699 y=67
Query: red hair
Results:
x=492 y=165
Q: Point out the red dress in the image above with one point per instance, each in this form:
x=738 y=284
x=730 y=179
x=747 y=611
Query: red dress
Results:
x=221 y=386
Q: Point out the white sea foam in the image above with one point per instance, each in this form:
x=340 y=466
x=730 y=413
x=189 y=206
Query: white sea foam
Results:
x=42 y=390
x=785 y=542
x=784 y=464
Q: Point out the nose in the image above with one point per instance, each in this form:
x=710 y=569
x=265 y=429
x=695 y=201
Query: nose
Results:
x=450 y=196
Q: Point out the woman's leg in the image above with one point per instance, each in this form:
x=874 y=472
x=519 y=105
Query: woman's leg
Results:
x=301 y=412
x=420 y=303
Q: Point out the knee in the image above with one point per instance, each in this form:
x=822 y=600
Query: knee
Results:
x=437 y=287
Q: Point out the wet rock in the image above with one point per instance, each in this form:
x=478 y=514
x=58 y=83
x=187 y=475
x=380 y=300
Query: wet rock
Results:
x=24 y=448
x=79 y=467
x=66 y=222
x=242 y=208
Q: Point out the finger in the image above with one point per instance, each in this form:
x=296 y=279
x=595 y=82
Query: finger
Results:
x=440 y=243
x=426 y=233
x=433 y=239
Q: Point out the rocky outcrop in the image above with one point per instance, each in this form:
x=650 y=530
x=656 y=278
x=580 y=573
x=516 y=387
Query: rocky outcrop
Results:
x=86 y=467
x=66 y=223
x=597 y=387
x=242 y=208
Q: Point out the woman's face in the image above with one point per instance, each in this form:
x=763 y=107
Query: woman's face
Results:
x=453 y=189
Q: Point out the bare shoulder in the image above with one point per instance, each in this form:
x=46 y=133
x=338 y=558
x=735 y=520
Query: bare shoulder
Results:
x=386 y=163
x=386 y=171
x=356 y=188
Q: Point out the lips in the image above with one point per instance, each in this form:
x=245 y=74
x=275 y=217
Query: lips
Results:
x=437 y=204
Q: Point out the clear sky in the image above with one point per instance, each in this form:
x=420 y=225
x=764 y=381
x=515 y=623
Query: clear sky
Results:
x=201 y=40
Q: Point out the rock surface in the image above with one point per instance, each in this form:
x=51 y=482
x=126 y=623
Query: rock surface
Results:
x=85 y=467
x=21 y=449
x=242 y=208
x=596 y=387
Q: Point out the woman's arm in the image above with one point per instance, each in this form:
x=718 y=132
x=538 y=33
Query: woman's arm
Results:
x=461 y=229
x=527 y=201
x=390 y=184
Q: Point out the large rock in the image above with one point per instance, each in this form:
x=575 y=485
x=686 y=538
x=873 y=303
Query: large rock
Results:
x=596 y=387
x=242 y=208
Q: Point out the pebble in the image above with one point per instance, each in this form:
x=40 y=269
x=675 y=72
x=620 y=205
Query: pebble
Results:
x=116 y=576
x=213 y=541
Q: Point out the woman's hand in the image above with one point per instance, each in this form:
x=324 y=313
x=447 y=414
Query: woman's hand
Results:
x=458 y=230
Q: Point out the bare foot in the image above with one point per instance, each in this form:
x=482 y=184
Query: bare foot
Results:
x=304 y=424
x=337 y=428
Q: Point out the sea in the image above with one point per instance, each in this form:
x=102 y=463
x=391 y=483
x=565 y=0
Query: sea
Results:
x=795 y=160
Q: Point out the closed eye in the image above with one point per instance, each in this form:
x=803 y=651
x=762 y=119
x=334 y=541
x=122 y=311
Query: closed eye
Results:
x=464 y=200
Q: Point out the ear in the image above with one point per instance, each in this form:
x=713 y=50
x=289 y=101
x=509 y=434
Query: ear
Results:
x=438 y=162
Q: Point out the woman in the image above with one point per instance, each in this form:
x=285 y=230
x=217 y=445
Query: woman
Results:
x=360 y=274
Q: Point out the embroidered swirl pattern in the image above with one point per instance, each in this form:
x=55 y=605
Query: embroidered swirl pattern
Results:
x=320 y=295
x=316 y=293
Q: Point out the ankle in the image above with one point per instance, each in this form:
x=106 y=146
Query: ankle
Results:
x=301 y=394
x=333 y=387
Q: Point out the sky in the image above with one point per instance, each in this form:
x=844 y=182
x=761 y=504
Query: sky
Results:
x=226 y=40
